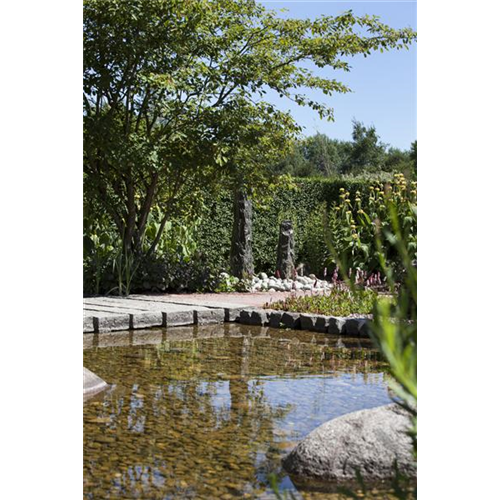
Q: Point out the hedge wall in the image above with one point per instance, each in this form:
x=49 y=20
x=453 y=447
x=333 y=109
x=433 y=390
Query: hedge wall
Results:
x=304 y=205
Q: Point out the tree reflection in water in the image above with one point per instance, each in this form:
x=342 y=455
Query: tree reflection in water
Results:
x=188 y=416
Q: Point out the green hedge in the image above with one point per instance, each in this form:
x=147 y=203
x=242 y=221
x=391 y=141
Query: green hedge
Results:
x=304 y=205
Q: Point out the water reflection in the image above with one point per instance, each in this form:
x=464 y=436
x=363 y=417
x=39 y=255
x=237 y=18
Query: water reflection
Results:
x=209 y=412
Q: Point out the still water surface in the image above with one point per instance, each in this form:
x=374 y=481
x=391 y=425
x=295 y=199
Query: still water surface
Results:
x=209 y=412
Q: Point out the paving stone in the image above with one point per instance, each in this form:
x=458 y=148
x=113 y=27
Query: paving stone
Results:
x=88 y=324
x=207 y=316
x=178 y=318
x=146 y=319
x=111 y=322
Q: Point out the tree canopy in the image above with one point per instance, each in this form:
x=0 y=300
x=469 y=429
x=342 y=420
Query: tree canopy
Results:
x=175 y=93
x=322 y=156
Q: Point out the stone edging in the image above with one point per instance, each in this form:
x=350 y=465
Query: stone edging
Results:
x=245 y=315
x=300 y=321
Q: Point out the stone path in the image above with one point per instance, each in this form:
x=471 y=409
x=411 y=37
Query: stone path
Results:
x=109 y=314
x=104 y=314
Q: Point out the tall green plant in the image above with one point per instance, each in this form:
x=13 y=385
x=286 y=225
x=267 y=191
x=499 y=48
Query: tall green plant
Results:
x=358 y=225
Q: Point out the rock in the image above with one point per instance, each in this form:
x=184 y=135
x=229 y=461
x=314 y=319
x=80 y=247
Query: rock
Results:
x=314 y=322
x=92 y=384
x=363 y=328
x=241 y=243
x=275 y=319
x=259 y=317
x=367 y=440
x=336 y=326
x=322 y=323
x=312 y=277
x=291 y=320
x=232 y=314
x=286 y=250
x=307 y=321
x=352 y=326
x=245 y=316
x=263 y=276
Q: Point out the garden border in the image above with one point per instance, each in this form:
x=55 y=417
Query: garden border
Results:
x=209 y=314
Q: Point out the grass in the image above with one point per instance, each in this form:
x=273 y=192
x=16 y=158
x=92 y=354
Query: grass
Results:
x=338 y=302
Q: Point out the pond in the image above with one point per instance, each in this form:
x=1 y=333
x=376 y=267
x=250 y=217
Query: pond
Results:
x=209 y=412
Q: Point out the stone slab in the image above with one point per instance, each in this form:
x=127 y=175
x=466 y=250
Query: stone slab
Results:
x=208 y=316
x=146 y=319
x=178 y=318
x=111 y=322
x=88 y=324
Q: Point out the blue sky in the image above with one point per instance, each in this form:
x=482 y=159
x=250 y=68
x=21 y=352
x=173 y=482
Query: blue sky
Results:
x=385 y=85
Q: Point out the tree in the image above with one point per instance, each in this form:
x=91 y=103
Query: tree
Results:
x=174 y=97
x=367 y=153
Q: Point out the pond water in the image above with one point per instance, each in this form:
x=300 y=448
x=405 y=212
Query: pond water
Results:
x=209 y=412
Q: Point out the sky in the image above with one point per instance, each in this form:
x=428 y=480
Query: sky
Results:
x=384 y=85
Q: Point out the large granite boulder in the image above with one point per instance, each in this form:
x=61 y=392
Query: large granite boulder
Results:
x=92 y=384
x=369 y=441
